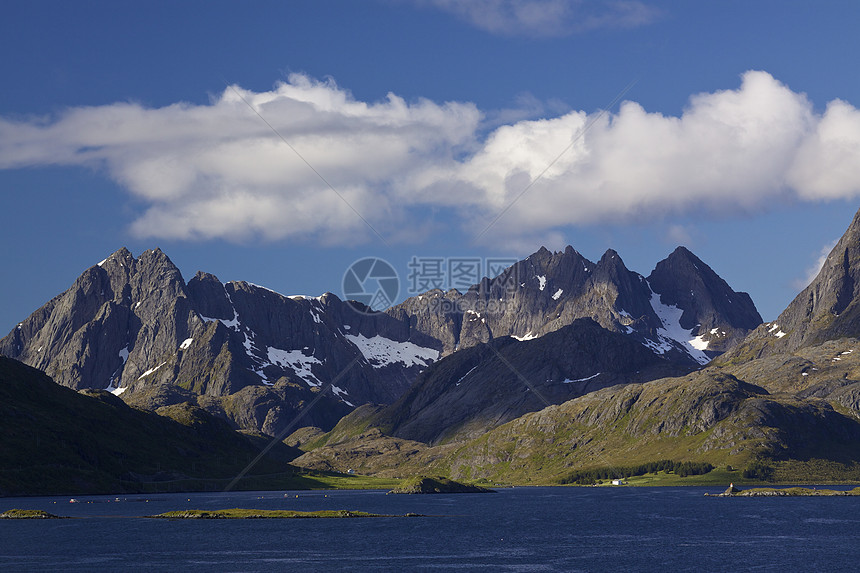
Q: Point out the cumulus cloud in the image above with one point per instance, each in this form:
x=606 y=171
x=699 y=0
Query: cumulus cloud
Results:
x=547 y=17
x=218 y=170
x=815 y=268
x=828 y=163
x=346 y=168
x=729 y=150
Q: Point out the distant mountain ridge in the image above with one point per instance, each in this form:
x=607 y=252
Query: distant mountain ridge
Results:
x=134 y=327
x=683 y=309
x=481 y=387
x=621 y=331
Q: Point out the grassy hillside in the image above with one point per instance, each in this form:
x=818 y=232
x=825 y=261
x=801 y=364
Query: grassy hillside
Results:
x=708 y=417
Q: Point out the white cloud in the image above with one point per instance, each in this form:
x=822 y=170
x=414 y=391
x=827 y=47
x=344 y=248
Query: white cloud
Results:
x=729 y=150
x=827 y=166
x=679 y=235
x=816 y=267
x=548 y=17
x=218 y=170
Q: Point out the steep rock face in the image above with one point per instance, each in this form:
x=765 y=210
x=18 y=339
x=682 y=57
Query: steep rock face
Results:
x=474 y=390
x=80 y=336
x=133 y=327
x=519 y=302
x=827 y=309
x=715 y=314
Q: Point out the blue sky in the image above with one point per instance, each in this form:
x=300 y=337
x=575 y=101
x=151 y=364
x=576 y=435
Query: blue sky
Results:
x=278 y=142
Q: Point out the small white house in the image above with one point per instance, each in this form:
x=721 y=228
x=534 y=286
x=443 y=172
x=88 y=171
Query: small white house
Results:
x=618 y=482
x=350 y=471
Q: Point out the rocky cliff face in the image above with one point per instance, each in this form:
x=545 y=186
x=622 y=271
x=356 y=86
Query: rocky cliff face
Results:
x=134 y=327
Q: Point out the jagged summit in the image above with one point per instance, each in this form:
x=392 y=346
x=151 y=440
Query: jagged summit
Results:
x=134 y=327
x=712 y=311
x=830 y=306
x=548 y=290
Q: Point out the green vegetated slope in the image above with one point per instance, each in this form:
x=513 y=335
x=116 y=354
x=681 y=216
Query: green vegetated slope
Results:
x=708 y=416
x=56 y=440
x=354 y=445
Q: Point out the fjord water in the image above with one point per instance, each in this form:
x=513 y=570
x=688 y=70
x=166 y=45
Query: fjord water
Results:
x=520 y=529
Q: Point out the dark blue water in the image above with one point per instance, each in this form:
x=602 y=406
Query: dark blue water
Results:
x=522 y=529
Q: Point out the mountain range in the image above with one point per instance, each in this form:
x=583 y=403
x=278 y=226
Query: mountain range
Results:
x=783 y=401
x=555 y=365
x=136 y=328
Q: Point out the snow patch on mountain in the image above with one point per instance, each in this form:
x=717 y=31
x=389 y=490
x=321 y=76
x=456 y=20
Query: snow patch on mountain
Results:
x=151 y=370
x=672 y=331
x=231 y=323
x=264 y=288
x=380 y=351
x=699 y=342
x=463 y=377
x=297 y=361
x=593 y=376
x=340 y=393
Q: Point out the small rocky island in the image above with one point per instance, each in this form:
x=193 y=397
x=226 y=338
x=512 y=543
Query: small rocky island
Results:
x=28 y=514
x=733 y=491
x=423 y=484
x=238 y=513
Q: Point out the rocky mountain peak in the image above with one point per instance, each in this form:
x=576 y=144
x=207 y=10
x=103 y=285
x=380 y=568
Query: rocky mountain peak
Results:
x=548 y=290
x=209 y=296
x=610 y=267
x=133 y=327
x=711 y=310
x=621 y=291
